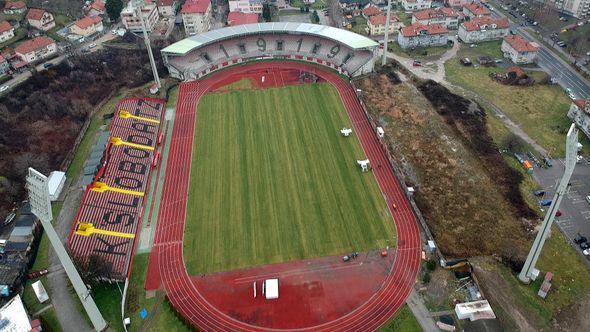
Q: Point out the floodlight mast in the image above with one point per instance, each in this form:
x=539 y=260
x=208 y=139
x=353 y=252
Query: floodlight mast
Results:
x=138 y=6
x=41 y=207
x=386 y=37
x=529 y=272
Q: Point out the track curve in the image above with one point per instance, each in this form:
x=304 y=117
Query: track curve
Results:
x=168 y=247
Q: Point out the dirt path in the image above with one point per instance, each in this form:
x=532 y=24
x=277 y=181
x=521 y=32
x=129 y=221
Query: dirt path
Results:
x=421 y=313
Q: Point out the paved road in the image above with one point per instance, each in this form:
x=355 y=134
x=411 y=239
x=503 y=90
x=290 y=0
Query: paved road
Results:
x=421 y=313
x=574 y=207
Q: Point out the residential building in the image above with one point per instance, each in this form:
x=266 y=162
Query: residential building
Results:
x=131 y=21
x=167 y=7
x=575 y=8
x=580 y=114
x=196 y=16
x=238 y=18
x=87 y=26
x=456 y=3
x=475 y=9
x=447 y=17
x=376 y=24
x=4 y=66
x=97 y=8
x=420 y=35
x=245 y=6
x=370 y=11
x=6 y=31
x=413 y=5
x=15 y=7
x=483 y=29
x=40 y=19
x=35 y=49
x=519 y=50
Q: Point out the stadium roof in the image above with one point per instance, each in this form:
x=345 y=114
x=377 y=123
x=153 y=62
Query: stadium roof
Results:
x=351 y=39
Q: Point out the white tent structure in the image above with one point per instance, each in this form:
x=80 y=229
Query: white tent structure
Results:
x=364 y=164
x=474 y=310
x=380 y=132
x=56 y=181
x=346 y=132
x=40 y=291
x=271 y=289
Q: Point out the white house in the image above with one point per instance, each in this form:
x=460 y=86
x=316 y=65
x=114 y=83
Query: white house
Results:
x=245 y=6
x=519 y=50
x=420 y=35
x=483 y=29
x=6 y=31
x=475 y=9
x=447 y=17
x=15 y=7
x=580 y=114
x=35 y=49
x=376 y=24
x=413 y=5
x=131 y=21
x=87 y=26
x=40 y=19
x=196 y=16
x=167 y=7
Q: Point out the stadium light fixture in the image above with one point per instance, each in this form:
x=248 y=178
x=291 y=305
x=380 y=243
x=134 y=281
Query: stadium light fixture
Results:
x=41 y=207
x=138 y=6
x=386 y=37
x=529 y=272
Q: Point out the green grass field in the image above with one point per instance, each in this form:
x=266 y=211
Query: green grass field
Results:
x=273 y=180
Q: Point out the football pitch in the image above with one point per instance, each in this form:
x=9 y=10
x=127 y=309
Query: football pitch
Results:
x=273 y=180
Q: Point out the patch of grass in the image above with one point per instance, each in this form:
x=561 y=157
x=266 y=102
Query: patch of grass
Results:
x=402 y=321
x=577 y=39
x=273 y=180
x=244 y=83
x=319 y=4
x=570 y=281
x=540 y=110
x=108 y=299
x=491 y=49
x=423 y=53
x=405 y=18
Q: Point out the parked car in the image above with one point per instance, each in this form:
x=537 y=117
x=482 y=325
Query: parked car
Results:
x=584 y=245
x=93 y=45
x=417 y=63
x=588 y=199
x=545 y=202
x=539 y=192
x=586 y=252
x=558 y=213
x=580 y=238
x=4 y=88
x=47 y=65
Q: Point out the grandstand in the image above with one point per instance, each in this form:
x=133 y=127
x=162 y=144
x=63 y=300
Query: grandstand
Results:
x=348 y=53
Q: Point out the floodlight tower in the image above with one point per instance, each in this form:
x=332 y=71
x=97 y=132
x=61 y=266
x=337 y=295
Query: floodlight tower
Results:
x=529 y=272
x=138 y=6
x=386 y=37
x=41 y=207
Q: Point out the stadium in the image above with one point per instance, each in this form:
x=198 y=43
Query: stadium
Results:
x=259 y=183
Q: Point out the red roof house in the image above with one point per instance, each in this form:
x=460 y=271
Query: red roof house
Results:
x=238 y=18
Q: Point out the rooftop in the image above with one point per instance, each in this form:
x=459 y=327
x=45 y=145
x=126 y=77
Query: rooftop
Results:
x=371 y=10
x=33 y=44
x=238 y=18
x=348 y=38
x=98 y=5
x=477 y=9
x=435 y=12
x=382 y=18
x=87 y=21
x=5 y=26
x=423 y=29
x=35 y=14
x=161 y=3
x=520 y=44
x=15 y=5
x=486 y=22
x=195 y=6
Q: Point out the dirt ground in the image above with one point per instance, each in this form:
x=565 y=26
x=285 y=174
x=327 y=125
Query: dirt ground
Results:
x=458 y=197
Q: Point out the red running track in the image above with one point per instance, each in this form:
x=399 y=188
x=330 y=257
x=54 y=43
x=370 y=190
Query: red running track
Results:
x=166 y=261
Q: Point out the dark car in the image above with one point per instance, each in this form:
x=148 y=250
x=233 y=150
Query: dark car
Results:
x=580 y=239
x=584 y=245
x=47 y=65
x=539 y=192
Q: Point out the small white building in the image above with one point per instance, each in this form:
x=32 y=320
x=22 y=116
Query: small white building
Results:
x=35 y=49
x=420 y=35
x=6 y=31
x=40 y=19
x=167 y=7
x=413 y=5
x=579 y=113
x=376 y=24
x=56 y=182
x=271 y=289
x=474 y=310
x=14 y=316
x=447 y=17
x=245 y=6
x=196 y=16
x=483 y=29
x=131 y=21
x=519 y=50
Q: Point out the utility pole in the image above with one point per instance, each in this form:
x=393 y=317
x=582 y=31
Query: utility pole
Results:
x=41 y=207
x=529 y=272
x=386 y=37
x=138 y=6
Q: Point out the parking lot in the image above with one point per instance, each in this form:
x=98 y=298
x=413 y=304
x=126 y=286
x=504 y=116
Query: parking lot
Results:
x=575 y=209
